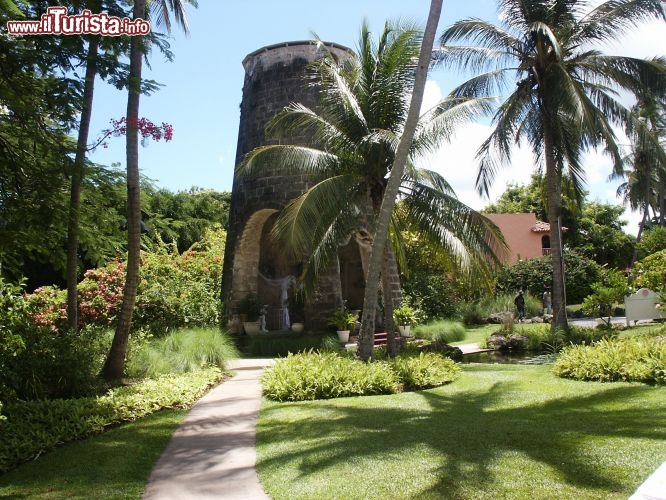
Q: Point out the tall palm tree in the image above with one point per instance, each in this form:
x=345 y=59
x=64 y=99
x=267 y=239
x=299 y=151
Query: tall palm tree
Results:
x=562 y=99
x=355 y=130
x=394 y=182
x=77 y=174
x=646 y=174
x=115 y=362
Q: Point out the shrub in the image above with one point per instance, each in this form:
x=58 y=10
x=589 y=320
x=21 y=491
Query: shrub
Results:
x=54 y=365
x=472 y=314
x=652 y=241
x=434 y=294
x=504 y=303
x=313 y=375
x=446 y=331
x=540 y=338
x=533 y=275
x=37 y=426
x=634 y=359
x=425 y=371
x=606 y=294
x=182 y=351
x=651 y=272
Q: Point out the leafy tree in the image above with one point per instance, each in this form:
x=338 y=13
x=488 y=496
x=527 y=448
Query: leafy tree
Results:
x=654 y=240
x=563 y=101
x=356 y=129
x=650 y=272
x=605 y=294
x=183 y=217
x=78 y=167
x=536 y=275
x=598 y=235
x=518 y=198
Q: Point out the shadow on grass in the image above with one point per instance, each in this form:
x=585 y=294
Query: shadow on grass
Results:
x=115 y=464
x=470 y=430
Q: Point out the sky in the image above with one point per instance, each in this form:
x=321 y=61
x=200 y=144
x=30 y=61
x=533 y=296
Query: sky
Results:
x=202 y=90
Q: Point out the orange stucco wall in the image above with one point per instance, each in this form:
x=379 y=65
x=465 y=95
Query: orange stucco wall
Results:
x=517 y=230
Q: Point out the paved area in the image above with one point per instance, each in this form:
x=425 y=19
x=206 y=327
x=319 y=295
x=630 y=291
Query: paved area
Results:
x=212 y=454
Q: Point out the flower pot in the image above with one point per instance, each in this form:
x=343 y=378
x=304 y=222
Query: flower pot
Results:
x=343 y=335
x=404 y=330
x=251 y=328
x=297 y=327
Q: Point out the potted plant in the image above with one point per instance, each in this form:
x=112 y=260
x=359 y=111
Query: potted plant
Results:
x=344 y=321
x=249 y=309
x=404 y=316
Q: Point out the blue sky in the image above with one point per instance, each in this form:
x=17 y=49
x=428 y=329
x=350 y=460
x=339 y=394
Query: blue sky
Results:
x=203 y=87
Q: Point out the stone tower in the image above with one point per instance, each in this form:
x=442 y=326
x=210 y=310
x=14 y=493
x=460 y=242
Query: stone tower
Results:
x=274 y=78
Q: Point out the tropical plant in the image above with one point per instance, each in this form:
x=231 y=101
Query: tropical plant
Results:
x=404 y=315
x=644 y=185
x=651 y=272
x=115 y=361
x=605 y=294
x=355 y=131
x=343 y=320
x=77 y=168
x=564 y=100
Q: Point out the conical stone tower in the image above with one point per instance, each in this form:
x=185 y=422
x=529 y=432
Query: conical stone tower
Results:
x=253 y=264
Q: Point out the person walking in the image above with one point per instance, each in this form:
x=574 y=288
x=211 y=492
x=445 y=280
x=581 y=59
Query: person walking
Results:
x=547 y=302
x=519 y=301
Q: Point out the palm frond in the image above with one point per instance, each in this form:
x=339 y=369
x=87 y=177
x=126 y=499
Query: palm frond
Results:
x=614 y=18
x=304 y=221
x=268 y=160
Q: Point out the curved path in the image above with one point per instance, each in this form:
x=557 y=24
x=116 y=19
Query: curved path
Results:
x=212 y=454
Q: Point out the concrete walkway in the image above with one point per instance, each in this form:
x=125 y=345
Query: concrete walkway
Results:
x=212 y=454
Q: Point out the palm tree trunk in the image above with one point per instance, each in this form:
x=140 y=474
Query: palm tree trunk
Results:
x=77 y=178
x=115 y=362
x=391 y=193
x=554 y=196
x=387 y=290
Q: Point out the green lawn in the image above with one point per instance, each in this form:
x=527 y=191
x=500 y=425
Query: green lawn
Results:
x=113 y=465
x=500 y=431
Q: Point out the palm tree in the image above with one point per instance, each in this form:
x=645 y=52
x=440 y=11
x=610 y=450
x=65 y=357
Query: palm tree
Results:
x=355 y=130
x=643 y=188
x=77 y=174
x=115 y=362
x=563 y=101
x=394 y=182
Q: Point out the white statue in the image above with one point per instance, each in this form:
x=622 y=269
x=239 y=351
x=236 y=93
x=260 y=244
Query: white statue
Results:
x=262 y=319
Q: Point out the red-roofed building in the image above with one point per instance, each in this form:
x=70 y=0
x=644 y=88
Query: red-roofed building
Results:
x=525 y=236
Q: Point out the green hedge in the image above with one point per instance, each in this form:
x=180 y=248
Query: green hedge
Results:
x=635 y=359
x=315 y=375
x=34 y=427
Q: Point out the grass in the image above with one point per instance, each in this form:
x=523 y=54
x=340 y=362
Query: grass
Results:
x=182 y=351
x=441 y=330
x=500 y=431
x=114 y=465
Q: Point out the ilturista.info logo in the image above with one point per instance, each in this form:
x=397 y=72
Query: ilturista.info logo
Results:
x=56 y=22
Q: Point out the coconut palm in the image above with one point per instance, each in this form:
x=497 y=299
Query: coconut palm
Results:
x=645 y=177
x=560 y=90
x=115 y=362
x=355 y=130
